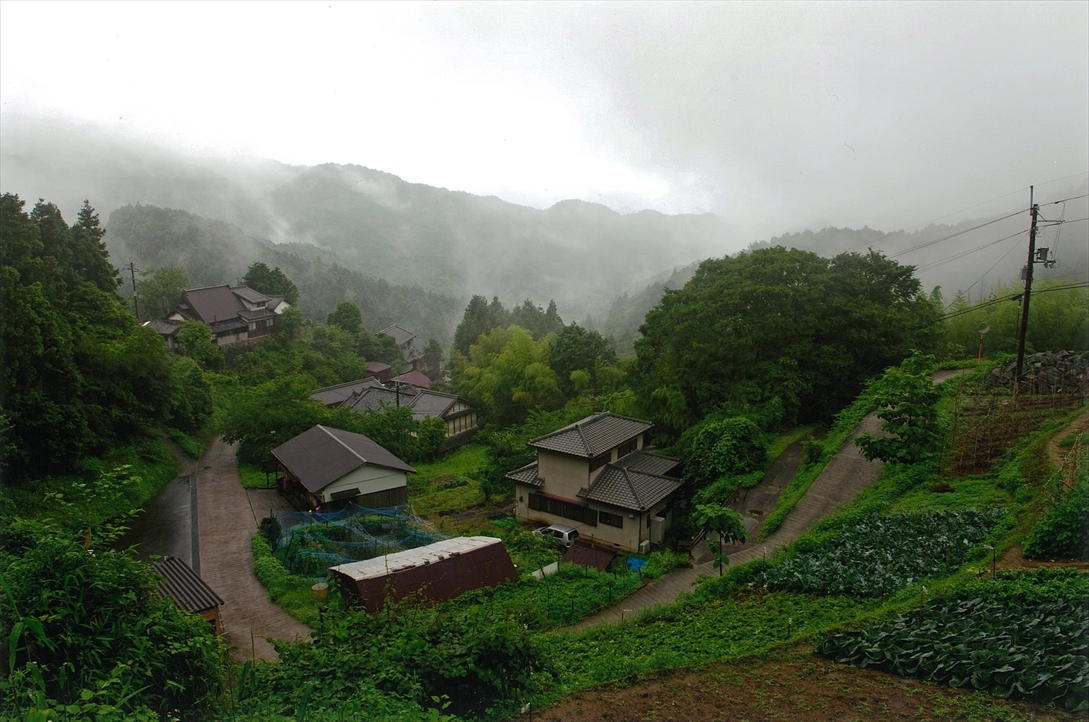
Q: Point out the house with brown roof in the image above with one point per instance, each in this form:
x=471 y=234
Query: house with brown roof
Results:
x=596 y=476
x=235 y=313
x=326 y=467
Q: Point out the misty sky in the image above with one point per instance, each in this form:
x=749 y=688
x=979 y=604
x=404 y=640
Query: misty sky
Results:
x=779 y=116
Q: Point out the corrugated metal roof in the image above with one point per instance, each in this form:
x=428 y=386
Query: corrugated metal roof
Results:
x=251 y=295
x=648 y=463
x=320 y=455
x=629 y=489
x=525 y=475
x=377 y=367
x=593 y=435
x=381 y=566
x=180 y=583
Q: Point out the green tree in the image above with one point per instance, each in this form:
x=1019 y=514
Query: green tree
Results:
x=724 y=447
x=723 y=522
x=907 y=404
x=347 y=317
x=579 y=349
x=432 y=359
x=160 y=290
x=195 y=340
x=89 y=258
x=270 y=281
x=778 y=322
x=507 y=372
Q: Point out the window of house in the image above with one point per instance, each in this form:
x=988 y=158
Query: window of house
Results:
x=253 y=326
x=626 y=448
x=616 y=520
x=567 y=510
x=269 y=323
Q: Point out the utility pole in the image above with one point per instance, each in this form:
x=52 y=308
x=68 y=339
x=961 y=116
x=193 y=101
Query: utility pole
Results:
x=135 y=303
x=1023 y=329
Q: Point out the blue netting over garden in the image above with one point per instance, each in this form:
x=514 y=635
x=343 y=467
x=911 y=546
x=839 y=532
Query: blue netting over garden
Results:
x=309 y=543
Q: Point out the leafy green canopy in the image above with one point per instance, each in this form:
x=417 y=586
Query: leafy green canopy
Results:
x=482 y=316
x=78 y=373
x=87 y=636
x=906 y=400
x=271 y=282
x=1063 y=531
x=778 y=323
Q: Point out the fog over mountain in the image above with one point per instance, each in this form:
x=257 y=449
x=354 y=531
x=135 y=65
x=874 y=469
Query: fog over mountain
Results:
x=600 y=266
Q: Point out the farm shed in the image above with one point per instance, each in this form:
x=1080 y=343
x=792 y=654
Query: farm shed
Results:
x=180 y=583
x=327 y=467
x=435 y=572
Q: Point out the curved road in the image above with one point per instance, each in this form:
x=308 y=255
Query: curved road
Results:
x=226 y=521
x=842 y=479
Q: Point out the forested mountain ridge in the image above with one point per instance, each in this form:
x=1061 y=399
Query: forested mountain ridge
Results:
x=212 y=252
x=448 y=242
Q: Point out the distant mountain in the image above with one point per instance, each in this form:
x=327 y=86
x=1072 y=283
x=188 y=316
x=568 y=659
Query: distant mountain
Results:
x=457 y=244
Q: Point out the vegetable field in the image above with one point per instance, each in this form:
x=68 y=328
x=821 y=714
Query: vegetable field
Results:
x=1024 y=634
x=877 y=555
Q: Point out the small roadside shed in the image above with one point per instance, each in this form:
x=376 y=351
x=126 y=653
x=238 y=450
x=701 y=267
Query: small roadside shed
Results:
x=434 y=573
x=325 y=467
x=180 y=583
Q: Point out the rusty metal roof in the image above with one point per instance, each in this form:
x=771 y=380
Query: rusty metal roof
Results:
x=320 y=455
x=180 y=583
x=593 y=435
x=420 y=556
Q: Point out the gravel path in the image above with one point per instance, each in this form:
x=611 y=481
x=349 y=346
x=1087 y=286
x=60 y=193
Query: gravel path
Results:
x=227 y=520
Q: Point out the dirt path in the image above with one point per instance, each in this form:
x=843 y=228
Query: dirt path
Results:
x=1064 y=459
x=227 y=521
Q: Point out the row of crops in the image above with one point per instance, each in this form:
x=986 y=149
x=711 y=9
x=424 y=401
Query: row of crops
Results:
x=876 y=555
x=1020 y=635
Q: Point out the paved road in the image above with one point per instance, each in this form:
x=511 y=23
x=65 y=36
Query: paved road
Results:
x=845 y=475
x=227 y=520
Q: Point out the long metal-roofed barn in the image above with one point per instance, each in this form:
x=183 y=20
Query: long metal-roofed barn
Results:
x=435 y=572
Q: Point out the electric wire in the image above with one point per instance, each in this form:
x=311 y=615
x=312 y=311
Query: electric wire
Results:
x=991 y=268
x=962 y=254
x=1011 y=297
x=954 y=235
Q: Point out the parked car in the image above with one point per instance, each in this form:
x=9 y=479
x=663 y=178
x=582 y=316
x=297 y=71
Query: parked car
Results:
x=559 y=533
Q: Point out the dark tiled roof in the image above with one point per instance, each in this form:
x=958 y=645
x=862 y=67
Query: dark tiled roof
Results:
x=648 y=463
x=376 y=398
x=377 y=367
x=163 y=327
x=428 y=404
x=181 y=583
x=525 y=475
x=320 y=455
x=629 y=489
x=218 y=303
x=416 y=378
x=332 y=395
x=593 y=435
x=400 y=335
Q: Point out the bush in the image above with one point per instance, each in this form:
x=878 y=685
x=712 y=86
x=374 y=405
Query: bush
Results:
x=89 y=628
x=1063 y=531
x=725 y=448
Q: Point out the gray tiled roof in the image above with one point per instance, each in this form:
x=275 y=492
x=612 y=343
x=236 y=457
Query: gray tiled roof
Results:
x=376 y=398
x=320 y=455
x=593 y=435
x=648 y=463
x=526 y=475
x=332 y=395
x=180 y=583
x=429 y=404
x=400 y=335
x=251 y=295
x=629 y=489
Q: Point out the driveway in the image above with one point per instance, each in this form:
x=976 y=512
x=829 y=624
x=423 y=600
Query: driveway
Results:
x=227 y=521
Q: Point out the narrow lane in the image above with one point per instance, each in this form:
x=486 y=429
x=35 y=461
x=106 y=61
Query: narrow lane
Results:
x=227 y=522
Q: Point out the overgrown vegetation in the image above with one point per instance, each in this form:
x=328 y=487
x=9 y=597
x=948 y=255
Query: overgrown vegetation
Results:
x=1062 y=532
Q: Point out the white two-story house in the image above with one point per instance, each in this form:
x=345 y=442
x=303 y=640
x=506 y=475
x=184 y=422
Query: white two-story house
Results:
x=595 y=476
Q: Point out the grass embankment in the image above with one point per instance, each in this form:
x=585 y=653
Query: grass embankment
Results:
x=291 y=592
x=71 y=500
x=254 y=477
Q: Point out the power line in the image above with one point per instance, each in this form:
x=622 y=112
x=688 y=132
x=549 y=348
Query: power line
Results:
x=1064 y=200
x=962 y=254
x=1011 y=297
x=954 y=235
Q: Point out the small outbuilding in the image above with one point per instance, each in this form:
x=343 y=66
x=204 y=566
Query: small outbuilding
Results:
x=327 y=467
x=433 y=573
x=180 y=583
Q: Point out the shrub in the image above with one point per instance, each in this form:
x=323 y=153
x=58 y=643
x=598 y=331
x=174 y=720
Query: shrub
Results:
x=1063 y=531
